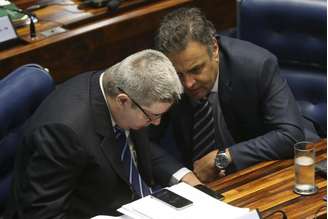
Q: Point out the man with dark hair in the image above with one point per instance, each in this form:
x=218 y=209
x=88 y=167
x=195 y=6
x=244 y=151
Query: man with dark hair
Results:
x=236 y=110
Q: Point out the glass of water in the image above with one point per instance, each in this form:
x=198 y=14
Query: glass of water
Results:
x=304 y=162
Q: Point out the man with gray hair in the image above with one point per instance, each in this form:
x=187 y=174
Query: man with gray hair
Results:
x=237 y=110
x=85 y=152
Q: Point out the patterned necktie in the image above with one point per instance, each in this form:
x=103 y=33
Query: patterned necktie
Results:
x=138 y=185
x=203 y=130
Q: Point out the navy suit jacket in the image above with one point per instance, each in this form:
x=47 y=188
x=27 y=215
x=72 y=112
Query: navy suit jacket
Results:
x=68 y=165
x=259 y=109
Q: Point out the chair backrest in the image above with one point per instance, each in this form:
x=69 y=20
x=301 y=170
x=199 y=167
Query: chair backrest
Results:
x=21 y=92
x=295 y=31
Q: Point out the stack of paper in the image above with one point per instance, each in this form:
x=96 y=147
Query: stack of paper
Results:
x=203 y=206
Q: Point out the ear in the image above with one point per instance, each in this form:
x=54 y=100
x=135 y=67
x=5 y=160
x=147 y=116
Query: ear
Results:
x=215 y=51
x=122 y=99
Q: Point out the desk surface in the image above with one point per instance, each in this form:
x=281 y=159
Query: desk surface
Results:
x=268 y=186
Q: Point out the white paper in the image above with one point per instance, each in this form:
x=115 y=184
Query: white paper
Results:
x=7 y=31
x=111 y=217
x=151 y=208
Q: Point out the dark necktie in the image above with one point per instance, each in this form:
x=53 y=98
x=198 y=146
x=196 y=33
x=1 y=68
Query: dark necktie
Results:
x=203 y=130
x=138 y=185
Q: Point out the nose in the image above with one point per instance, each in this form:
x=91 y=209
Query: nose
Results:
x=188 y=80
x=156 y=121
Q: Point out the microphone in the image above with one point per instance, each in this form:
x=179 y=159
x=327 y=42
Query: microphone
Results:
x=32 y=25
x=31 y=17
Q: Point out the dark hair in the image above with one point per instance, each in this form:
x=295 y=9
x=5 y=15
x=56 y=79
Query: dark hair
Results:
x=182 y=25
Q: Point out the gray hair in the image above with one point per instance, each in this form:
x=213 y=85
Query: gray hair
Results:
x=147 y=77
x=182 y=25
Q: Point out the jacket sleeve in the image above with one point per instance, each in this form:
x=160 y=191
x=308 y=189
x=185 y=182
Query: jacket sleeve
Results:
x=164 y=165
x=281 y=121
x=53 y=159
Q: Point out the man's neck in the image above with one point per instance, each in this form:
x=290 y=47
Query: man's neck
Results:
x=111 y=104
x=115 y=112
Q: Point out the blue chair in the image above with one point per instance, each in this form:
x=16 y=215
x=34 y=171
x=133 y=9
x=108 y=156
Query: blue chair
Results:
x=295 y=31
x=21 y=92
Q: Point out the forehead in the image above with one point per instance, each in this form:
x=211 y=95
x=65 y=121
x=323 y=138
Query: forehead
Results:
x=194 y=54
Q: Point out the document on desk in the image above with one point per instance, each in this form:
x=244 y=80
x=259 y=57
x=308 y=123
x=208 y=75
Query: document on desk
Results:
x=203 y=206
x=111 y=217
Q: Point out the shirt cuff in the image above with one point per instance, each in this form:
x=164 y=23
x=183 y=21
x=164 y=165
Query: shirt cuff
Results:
x=177 y=176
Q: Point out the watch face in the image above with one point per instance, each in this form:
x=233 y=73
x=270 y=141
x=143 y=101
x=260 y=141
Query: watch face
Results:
x=221 y=161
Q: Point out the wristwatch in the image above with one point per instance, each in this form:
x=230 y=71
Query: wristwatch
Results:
x=222 y=160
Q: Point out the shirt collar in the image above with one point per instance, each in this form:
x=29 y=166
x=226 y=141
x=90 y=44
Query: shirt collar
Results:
x=215 y=87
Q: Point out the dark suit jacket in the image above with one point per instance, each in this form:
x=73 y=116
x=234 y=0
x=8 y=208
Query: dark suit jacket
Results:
x=68 y=165
x=258 y=107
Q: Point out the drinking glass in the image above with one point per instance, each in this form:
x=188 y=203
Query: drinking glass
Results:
x=304 y=162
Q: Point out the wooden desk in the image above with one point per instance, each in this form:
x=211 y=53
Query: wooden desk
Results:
x=268 y=186
x=91 y=43
x=98 y=38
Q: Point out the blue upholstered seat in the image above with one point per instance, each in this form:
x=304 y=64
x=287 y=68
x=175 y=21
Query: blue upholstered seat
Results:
x=21 y=92
x=295 y=31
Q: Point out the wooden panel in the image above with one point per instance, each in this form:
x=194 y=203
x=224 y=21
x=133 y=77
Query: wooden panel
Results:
x=268 y=186
x=221 y=12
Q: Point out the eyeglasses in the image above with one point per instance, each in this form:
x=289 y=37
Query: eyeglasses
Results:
x=150 y=116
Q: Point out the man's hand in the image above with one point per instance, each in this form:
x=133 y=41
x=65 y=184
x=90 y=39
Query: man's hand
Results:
x=205 y=168
x=191 y=179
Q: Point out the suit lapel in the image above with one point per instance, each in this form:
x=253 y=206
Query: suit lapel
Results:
x=225 y=83
x=104 y=127
x=227 y=87
x=112 y=153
